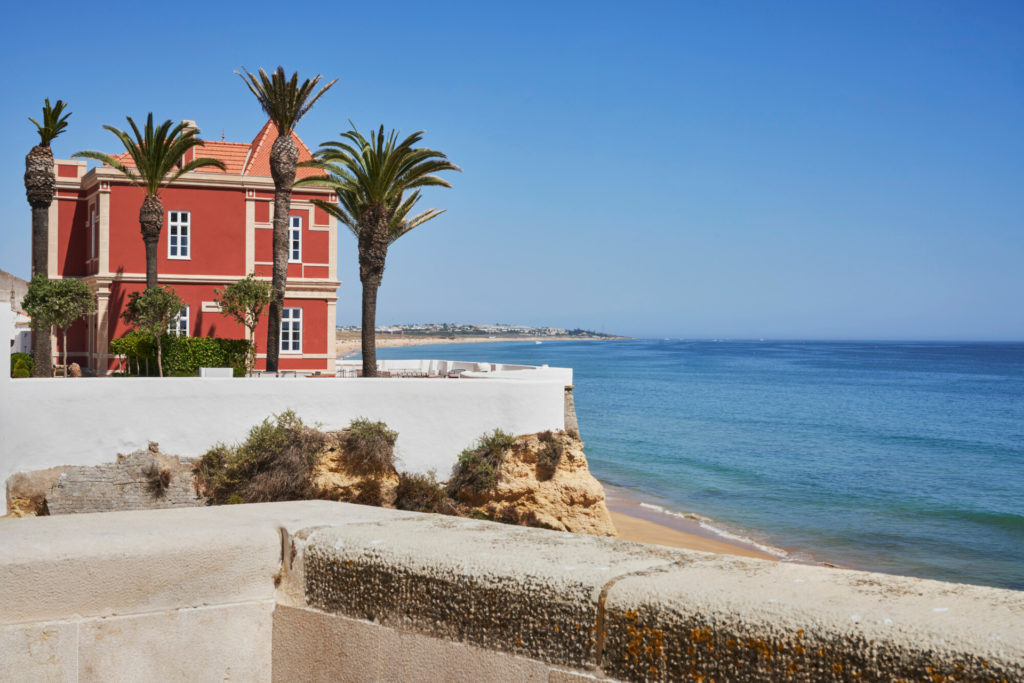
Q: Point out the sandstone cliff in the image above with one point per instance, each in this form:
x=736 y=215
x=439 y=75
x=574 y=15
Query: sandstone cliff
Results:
x=337 y=477
x=543 y=480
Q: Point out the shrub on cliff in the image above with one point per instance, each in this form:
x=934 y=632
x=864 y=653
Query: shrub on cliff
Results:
x=423 y=493
x=477 y=469
x=550 y=454
x=274 y=463
x=370 y=447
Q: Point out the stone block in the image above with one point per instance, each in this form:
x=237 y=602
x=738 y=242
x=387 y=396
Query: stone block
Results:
x=530 y=592
x=39 y=652
x=727 y=618
x=229 y=642
x=314 y=646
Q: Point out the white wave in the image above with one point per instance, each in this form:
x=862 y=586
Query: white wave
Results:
x=706 y=524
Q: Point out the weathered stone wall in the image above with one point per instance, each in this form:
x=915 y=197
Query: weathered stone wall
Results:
x=127 y=484
x=320 y=591
x=632 y=612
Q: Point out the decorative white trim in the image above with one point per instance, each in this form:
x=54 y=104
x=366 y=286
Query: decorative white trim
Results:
x=191 y=179
x=52 y=234
x=104 y=201
x=250 y=234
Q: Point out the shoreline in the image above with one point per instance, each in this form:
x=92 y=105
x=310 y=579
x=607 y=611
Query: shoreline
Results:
x=643 y=523
x=634 y=520
x=347 y=346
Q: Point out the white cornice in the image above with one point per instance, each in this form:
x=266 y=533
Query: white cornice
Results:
x=191 y=179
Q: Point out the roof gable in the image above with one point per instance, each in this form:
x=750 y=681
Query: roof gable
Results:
x=258 y=162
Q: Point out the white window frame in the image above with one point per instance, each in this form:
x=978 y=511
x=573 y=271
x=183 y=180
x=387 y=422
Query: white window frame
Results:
x=179 y=240
x=179 y=324
x=295 y=239
x=291 y=325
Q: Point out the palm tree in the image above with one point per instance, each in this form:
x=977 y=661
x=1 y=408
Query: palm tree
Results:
x=285 y=102
x=40 y=186
x=371 y=179
x=158 y=158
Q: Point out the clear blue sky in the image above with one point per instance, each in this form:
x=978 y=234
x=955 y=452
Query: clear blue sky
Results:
x=698 y=169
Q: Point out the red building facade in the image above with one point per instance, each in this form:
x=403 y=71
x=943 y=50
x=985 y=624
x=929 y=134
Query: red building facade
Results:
x=217 y=229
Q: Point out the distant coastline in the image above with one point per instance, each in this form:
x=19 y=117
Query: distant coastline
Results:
x=349 y=343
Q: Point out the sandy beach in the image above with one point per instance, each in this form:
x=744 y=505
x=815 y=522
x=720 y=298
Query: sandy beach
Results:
x=349 y=343
x=642 y=525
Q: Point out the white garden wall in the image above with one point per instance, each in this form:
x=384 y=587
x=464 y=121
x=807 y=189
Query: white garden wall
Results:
x=87 y=421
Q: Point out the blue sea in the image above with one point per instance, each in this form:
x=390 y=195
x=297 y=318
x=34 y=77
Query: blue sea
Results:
x=905 y=458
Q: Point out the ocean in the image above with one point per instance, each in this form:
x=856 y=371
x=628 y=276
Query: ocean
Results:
x=905 y=458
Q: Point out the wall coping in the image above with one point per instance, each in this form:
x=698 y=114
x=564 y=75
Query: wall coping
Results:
x=620 y=609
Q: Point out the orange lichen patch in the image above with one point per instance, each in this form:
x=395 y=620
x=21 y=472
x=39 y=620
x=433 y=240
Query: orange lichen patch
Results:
x=837 y=668
x=645 y=642
x=762 y=646
x=799 y=649
x=700 y=635
x=793 y=668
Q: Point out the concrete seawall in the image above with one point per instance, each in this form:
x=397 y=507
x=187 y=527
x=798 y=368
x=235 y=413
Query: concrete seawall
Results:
x=329 y=591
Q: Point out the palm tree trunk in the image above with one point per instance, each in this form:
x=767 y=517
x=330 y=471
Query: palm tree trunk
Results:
x=369 y=338
x=283 y=157
x=40 y=186
x=40 y=239
x=373 y=252
x=64 y=350
x=151 y=221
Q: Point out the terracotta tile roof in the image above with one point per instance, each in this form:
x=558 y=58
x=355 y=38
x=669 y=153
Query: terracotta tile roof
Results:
x=241 y=158
x=259 y=153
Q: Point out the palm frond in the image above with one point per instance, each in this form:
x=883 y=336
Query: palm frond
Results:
x=109 y=161
x=157 y=152
x=284 y=100
x=382 y=170
x=53 y=123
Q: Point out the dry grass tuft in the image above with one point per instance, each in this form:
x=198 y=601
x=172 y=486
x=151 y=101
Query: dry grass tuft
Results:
x=274 y=463
x=158 y=479
x=370 y=448
x=423 y=493
x=477 y=468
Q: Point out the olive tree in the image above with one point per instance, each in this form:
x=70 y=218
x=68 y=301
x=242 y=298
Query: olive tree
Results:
x=244 y=301
x=151 y=311
x=58 y=303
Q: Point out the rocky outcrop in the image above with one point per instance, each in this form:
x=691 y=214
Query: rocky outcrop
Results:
x=543 y=480
x=336 y=478
x=142 y=480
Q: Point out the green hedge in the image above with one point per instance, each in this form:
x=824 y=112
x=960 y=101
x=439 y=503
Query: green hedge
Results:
x=21 y=365
x=182 y=356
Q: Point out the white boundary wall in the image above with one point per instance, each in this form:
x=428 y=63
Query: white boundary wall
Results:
x=88 y=421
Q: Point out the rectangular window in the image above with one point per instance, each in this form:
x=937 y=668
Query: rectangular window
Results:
x=178 y=234
x=179 y=324
x=291 y=330
x=295 y=240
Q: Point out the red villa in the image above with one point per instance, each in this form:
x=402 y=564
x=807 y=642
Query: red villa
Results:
x=217 y=228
